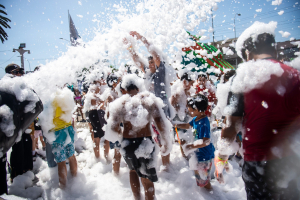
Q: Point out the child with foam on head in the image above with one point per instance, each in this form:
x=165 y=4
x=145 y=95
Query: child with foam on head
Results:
x=202 y=147
x=63 y=146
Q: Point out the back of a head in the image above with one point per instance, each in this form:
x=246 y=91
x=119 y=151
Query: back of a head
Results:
x=259 y=38
x=131 y=87
x=264 y=44
x=229 y=74
x=186 y=77
x=198 y=102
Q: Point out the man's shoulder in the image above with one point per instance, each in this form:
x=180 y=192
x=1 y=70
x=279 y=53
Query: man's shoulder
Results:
x=286 y=67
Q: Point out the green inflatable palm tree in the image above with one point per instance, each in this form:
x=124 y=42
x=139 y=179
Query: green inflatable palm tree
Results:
x=3 y=24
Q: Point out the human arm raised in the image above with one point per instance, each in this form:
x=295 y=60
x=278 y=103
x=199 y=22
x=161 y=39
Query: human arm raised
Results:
x=149 y=47
x=137 y=60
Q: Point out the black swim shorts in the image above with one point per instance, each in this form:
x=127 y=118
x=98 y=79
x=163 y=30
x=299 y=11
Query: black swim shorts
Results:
x=142 y=165
x=97 y=120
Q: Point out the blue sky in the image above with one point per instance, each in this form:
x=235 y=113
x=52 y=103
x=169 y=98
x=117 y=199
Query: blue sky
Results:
x=40 y=24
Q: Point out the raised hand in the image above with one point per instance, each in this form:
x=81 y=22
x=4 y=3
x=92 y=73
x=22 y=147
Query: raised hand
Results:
x=136 y=34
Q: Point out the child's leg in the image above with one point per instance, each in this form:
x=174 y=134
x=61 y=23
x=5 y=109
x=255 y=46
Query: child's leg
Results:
x=42 y=141
x=36 y=141
x=220 y=163
x=62 y=174
x=166 y=161
x=73 y=165
x=149 y=189
x=116 y=161
x=33 y=142
x=106 y=149
x=135 y=184
x=97 y=147
x=202 y=175
x=208 y=186
x=80 y=109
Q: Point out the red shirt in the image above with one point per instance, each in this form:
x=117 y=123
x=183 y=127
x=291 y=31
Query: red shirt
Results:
x=269 y=128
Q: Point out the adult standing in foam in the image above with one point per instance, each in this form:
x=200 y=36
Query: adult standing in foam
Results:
x=21 y=156
x=136 y=111
x=14 y=121
x=95 y=108
x=110 y=95
x=270 y=114
x=63 y=146
x=155 y=76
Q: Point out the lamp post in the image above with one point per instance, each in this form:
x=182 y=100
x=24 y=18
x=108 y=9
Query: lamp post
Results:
x=234 y=23
x=28 y=63
x=235 y=35
x=22 y=51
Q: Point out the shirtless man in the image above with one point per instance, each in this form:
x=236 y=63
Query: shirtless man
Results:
x=136 y=111
x=154 y=76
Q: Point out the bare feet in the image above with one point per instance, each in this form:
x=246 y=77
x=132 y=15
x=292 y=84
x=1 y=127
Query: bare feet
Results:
x=208 y=187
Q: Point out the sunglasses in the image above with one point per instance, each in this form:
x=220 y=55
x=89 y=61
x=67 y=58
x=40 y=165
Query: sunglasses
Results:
x=20 y=71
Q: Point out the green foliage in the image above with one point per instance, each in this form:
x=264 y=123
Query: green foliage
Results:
x=3 y=24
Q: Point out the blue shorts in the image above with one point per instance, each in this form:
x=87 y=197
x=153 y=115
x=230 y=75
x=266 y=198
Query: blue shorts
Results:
x=61 y=152
x=60 y=149
x=115 y=145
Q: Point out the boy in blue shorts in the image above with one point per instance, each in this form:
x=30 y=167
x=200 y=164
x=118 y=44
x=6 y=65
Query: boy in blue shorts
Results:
x=202 y=147
x=63 y=146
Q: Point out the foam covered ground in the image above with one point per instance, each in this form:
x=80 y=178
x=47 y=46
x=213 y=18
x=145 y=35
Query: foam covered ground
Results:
x=95 y=179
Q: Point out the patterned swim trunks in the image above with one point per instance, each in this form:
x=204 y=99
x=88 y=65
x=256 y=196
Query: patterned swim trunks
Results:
x=60 y=149
x=61 y=152
x=202 y=175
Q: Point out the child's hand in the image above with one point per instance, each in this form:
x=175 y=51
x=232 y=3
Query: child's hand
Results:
x=182 y=142
x=189 y=147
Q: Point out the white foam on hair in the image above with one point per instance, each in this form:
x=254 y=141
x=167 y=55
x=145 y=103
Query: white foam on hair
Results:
x=253 y=31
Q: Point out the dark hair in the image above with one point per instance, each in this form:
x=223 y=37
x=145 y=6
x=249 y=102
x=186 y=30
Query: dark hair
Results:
x=37 y=68
x=202 y=75
x=228 y=75
x=186 y=76
x=198 y=102
x=131 y=87
x=150 y=58
x=111 y=79
x=9 y=68
x=265 y=43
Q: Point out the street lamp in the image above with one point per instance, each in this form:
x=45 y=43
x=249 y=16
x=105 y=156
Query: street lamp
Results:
x=28 y=63
x=22 y=51
x=235 y=35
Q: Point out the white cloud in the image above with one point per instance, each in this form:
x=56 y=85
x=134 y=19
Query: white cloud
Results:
x=80 y=16
x=284 y=34
x=276 y=2
x=204 y=38
x=258 y=10
x=280 y=12
x=79 y=2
